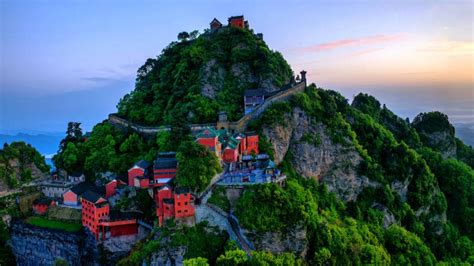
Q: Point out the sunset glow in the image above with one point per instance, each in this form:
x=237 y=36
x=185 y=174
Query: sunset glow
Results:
x=418 y=49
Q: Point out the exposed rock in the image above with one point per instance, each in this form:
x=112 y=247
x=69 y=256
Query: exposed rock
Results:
x=443 y=140
x=212 y=78
x=388 y=217
x=401 y=188
x=436 y=132
x=169 y=256
x=293 y=241
x=331 y=163
x=39 y=246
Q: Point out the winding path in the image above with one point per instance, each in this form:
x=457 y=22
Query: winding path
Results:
x=228 y=222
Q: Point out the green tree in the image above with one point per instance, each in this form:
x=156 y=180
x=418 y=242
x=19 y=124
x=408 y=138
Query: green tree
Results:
x=233 y=257
x=406 y=248
x=183 y=36
x=197 y=166
x=196 y=262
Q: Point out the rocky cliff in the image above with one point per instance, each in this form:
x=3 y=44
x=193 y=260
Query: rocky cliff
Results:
x=38 y=246
x=314 y=154
x=322 y=137
x=295 y=240
x=20 y=163
x=436 y=132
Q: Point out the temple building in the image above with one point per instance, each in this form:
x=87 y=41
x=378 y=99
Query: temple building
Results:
x=104 y=222
x=144 y=174
x=215 y=24
x=252 y=99
x=171 y=202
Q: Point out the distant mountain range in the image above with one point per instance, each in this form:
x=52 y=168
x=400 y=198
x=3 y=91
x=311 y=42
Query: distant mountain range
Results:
x=465 y=132
x=46 y=143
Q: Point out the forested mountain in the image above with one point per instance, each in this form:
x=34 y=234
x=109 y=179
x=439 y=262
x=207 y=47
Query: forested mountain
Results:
x=365 y=186
x=195 y=78
x=20 y=163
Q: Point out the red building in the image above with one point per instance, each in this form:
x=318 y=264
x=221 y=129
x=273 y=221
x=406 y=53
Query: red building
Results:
x=111 y=187
x=94 y=207
x=41 y=205
x=231 y=153
x=177 y=203
x=118 y=223
x=215 y=24
x=140 y=169
x=252 y=143
x=104 y=223
x=164 y=168
x=238 y=21
x=228 y=147
x=72 y=197
x=209 y=138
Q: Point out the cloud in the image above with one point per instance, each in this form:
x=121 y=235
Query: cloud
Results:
x=448 y=47
x=364 y=52
x=365 y=41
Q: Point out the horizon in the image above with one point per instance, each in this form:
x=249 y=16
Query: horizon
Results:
x=77 y=60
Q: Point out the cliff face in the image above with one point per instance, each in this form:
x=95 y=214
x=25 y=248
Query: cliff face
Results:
x=318 y=157
x=37 y=246
x=20 y=163
x=293 y=241
x=307 y=145
x=436 y=132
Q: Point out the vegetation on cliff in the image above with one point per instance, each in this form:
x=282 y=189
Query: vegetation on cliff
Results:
x=393 y=153
x=20 y=163
x=193 y=79
x=414 y=206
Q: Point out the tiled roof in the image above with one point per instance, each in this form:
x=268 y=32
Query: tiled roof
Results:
x=166 y=164
x=80 y=188
x=182 y=190
x=255 y=92
x=216 y=20
x=166 y=160
x=208 y=133
x=236 y=17
x=233 y=142
x=143 y=164
x=91 y=196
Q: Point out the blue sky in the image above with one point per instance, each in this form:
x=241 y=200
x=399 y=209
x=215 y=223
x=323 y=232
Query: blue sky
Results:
x=72 y=60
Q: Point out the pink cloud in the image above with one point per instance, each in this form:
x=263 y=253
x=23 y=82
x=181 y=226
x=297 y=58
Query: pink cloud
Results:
x=364 y=52
x=369 y=40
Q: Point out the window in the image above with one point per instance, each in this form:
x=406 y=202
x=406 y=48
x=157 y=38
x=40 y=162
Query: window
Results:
x=186 y=203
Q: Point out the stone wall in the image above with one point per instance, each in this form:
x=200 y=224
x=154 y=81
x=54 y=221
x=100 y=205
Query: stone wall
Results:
x=39 y=246
x=240 y=125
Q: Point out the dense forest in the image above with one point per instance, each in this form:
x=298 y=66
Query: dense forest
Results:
x=429 y=220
